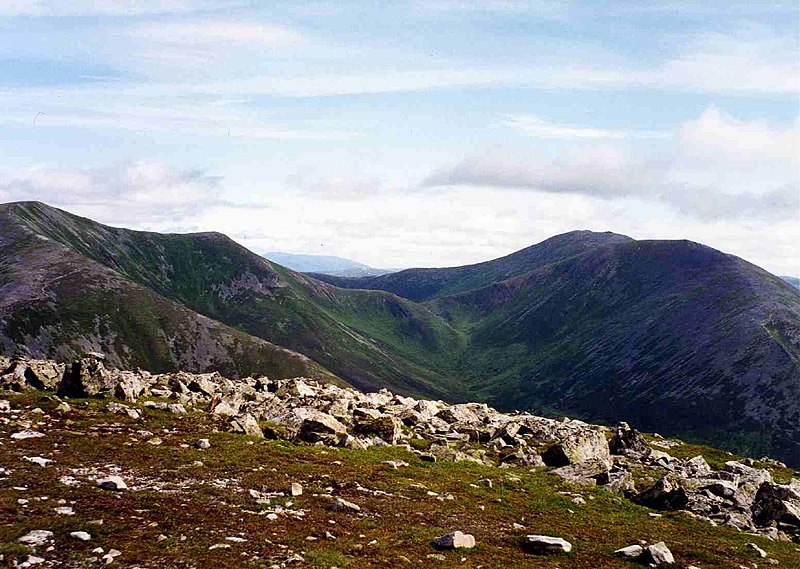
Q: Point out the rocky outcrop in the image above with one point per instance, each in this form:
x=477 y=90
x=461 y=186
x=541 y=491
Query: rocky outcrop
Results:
x=737 y=495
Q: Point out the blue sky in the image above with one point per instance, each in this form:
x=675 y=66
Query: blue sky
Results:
x=410 y=133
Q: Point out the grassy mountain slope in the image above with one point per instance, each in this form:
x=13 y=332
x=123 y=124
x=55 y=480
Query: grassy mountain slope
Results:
x=672 y=336
x=371 y=338
x=58 y=303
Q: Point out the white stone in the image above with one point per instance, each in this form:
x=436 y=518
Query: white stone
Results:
x=81 y=535
x=455 y=540
x=37 y=460
x=630 y=551
x=112 y=483
x=761 y=553
x=340 y=505
x=659 y=554
x=547 y=544
x=26 y=434
x=36 y=537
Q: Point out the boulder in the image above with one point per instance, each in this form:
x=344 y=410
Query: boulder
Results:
x=545 y=544
x=386 y=427
x=627 y=440
x=296 y=387
x=658 y=554
x=697 y=466
x=582 y=473
x=87 y=377
x=749 y=481
x=21 y=375
x=777 y=503
x=460 y=414
x=666 y=494
x=129 y=388
x=722 y=488
x=36 y=538
x=583 y=445
x=342 y=505
x=617 y=481
x=246 y=424
x=318 y=426
x=115 y=483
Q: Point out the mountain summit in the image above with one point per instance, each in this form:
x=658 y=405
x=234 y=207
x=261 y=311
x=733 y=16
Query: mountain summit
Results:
x=671 y=336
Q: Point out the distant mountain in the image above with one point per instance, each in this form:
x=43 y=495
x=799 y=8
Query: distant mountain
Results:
x=426 y=284
x=794 y=281
x=324 y=264
x=671 y=336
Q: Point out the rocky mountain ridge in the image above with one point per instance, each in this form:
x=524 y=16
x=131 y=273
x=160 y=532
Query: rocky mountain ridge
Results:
x=740 y=494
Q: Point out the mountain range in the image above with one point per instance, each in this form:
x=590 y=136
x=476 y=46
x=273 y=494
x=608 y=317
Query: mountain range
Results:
x=326 y=264
x=671 y=336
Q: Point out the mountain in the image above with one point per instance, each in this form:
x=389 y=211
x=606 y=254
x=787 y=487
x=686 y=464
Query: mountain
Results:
x=426 y=284
x=71 y=284
x=794 y=281
x=325 y=264
x=672 y=336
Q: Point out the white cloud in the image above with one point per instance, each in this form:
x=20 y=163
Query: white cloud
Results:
x=536 y=126
x=749 y=60
x=52 y=8
x=717 y=135
x=336 y=185
x=129 y=109
x=718 y=167
x=602 y=171
x=128 y=192
x=210 y=33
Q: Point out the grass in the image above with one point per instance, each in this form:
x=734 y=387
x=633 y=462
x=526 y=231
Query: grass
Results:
x=199 y=498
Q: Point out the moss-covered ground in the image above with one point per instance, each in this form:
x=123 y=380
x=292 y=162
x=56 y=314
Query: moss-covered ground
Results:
x=183 y=501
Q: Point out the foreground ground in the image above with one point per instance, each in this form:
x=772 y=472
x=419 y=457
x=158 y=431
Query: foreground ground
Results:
x=183 y=501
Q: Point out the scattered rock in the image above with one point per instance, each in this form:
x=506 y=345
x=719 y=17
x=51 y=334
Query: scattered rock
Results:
x=627 y=440
x=632 y=551
x=545 y=544
x=26 y=434
x=36 y=538
x=658 y=554
x=296 y=489
x=342 y=505
x=81 y=535
x=115 y=483
x=578 y=447
x=38 y=460
x=455 y=540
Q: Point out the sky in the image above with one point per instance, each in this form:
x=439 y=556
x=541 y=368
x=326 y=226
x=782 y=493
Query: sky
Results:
x=418 y=133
